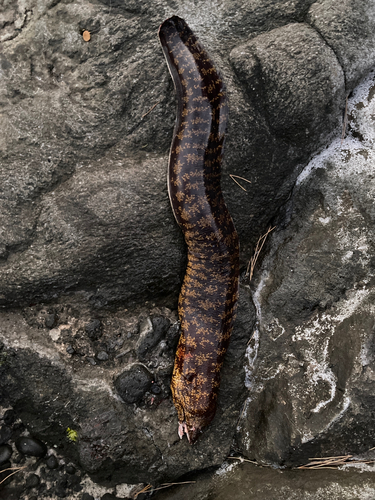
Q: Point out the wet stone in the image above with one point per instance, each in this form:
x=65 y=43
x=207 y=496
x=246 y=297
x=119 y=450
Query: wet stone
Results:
x=9 y=417
x=52 y=462
x=31 y=446
x=94 y=329
x=102 y=356
x=133 y=383
x=5 y=453
x=32 y=481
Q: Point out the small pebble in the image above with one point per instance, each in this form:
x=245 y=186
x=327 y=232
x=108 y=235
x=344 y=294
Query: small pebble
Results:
x=91 y=361
x=155 y=389
x=102 y=356
x=70 y=469
x=70 y=349
x=32 y=481
x=9 y=417
x=52 y=462
x=31 y=446
x=5 y=453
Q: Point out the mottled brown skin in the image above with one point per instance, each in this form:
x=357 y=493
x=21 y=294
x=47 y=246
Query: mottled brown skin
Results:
x=209 y=293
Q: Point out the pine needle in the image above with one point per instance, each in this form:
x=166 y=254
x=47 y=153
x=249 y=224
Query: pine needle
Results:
x=232 y=176
x=258 y=249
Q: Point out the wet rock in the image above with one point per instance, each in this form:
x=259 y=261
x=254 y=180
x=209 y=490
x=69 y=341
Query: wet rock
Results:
x=133 y=383
x=94 y=329
x=310 y=362
x=31 y=446
x=32 y=481
x=5 y=453
x=52 y=462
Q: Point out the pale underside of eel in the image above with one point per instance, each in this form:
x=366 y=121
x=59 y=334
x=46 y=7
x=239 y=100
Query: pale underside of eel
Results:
x=208 y=298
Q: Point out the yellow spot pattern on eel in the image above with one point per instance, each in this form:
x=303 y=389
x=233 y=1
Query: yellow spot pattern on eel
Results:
x=208 y=298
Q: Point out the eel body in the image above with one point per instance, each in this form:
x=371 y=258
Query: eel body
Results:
x=207 y=302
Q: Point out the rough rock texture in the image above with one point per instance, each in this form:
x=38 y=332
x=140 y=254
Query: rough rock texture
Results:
x=310 y=363
x=84 y=205
x=121 y=408
x=89 y=246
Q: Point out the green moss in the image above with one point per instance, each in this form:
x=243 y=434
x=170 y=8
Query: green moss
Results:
x=72 y=435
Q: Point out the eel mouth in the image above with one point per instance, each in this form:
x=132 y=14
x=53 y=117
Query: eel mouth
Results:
x=192 y=433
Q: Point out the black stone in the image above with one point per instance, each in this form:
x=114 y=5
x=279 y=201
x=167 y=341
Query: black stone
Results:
x=52 y=462
x=32 y=481
x=31 y=446
x=94 y=329
x=87 y=496
x=109 y=496
x=132 y=384
x=9 y=417
x=5 y=434
x=5 y=453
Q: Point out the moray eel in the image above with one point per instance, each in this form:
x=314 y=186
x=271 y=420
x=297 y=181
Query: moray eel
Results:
x=209 y=293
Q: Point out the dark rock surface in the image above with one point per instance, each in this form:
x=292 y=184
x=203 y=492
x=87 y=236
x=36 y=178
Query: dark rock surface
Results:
x=310 y=363
x=128 y=439
x=248 y=482
x=91 y=259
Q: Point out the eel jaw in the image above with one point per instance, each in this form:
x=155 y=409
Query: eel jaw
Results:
x=191 y=433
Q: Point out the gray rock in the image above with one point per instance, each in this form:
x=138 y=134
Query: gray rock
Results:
x=310 y=361
x=347 y=26
x=278 y=67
